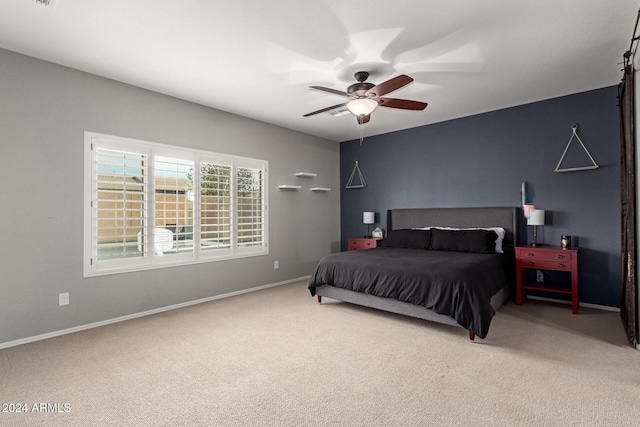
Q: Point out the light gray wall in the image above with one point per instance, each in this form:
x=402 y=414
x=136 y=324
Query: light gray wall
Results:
x=44 y=111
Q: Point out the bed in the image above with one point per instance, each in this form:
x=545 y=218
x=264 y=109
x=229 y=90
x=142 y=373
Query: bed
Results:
x=438 y=264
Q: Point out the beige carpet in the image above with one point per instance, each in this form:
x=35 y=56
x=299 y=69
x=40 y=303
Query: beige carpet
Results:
x=277 y=358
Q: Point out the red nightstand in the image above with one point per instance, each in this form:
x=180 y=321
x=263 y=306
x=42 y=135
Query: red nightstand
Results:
x=359 y=243
x=546 y=258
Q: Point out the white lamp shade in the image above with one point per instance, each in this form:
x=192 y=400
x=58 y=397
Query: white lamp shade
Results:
x=362 y=106
x=368 y=217
x=536 y=217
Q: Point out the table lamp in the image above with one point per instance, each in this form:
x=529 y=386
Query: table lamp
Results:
x=368 y=218
x=536 y=218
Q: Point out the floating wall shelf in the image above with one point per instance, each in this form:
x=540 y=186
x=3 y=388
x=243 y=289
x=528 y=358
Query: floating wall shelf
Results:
x=305 y=174
x=320 y=189
x=289 y=187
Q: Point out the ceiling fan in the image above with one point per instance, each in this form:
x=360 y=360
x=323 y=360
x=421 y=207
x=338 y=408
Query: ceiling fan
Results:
x=366 y=97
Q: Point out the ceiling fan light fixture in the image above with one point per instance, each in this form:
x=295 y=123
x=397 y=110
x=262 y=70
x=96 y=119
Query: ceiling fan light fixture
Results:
x=365 y=97
x=362 y=106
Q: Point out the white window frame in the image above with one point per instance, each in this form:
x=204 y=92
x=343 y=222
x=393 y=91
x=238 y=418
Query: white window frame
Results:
x=149 y=260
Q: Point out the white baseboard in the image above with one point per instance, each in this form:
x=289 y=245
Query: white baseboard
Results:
x=141 y=314
x=582 y=304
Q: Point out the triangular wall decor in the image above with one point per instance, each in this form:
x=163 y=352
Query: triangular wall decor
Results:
x=351 y=184
x=594 y=165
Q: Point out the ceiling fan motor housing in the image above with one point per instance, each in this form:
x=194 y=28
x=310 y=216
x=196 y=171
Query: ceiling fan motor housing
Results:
x=361 y=87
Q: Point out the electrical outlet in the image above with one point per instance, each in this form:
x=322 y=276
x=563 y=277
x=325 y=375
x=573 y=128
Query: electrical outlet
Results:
x=276 y=265
x=63 y=299
x=539 y=276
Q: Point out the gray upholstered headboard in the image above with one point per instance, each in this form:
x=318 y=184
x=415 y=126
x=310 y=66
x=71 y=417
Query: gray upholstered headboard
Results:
x=456 y=217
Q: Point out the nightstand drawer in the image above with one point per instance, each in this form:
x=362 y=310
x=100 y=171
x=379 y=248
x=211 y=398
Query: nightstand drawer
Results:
x=544 y=264
x=546 y=254
x=359 y=243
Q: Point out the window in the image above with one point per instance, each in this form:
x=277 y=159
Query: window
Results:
x=150 y=205
x=215 y=206
x=250 y=207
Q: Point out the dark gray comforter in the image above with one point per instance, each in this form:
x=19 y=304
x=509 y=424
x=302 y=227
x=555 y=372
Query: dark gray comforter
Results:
x=456 y=284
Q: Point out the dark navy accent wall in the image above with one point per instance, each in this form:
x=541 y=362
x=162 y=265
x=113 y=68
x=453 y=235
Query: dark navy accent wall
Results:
x=482 y=160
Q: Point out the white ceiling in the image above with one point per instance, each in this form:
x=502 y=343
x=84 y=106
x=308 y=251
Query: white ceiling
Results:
x=256 y=58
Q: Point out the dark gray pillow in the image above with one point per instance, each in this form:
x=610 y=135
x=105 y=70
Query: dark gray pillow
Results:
x=407 y=238
x=476 y=241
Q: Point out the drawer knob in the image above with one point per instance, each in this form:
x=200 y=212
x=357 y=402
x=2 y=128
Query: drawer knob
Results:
x=561 y=265
x=530 y=254
x=560 y=256
x=530 y=262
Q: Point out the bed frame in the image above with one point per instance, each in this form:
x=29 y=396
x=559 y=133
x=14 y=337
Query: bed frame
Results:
x=437 y=217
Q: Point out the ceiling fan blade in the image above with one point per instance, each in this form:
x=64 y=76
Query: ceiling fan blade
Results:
x=332 y=91
x=404 y=104
x=333 y=107
x=362 y=119
x=388 y=86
